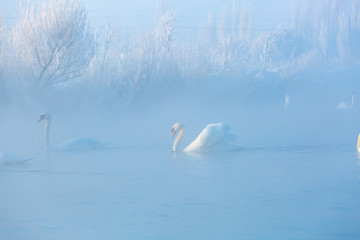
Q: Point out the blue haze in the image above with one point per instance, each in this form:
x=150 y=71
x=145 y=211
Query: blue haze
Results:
x=295 y=174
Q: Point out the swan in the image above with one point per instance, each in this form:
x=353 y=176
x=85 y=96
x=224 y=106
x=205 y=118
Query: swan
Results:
x=358 y=144
x=10 y=158
x=214 y=137
x=287 y=101
x=344 y=105
x=76 y=144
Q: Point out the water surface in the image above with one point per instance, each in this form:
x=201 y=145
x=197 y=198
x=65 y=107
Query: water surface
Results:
x=152 y=193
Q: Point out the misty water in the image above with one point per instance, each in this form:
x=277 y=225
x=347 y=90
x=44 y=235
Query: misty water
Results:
x=292 y=177
x=152 y=193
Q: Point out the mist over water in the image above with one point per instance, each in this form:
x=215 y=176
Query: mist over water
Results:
x=290 y=95
x=296 y=172
x=258 y=120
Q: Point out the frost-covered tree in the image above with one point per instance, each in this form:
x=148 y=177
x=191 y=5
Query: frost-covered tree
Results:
x=164 y=30
x=355 y=13
x=323 y=38
x=207 y=30
x=54 y=41
x=152 y=54
x=329 y=26
x=269 y=40
x=245 y=25
x=226 y=52
x=5 y=59
x=342 y=36
x=226 y=56
x=224 y=27
x=2 y=33
x=103 y=38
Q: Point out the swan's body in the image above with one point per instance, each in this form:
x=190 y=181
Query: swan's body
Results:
x=214 y=137
x=10 y=158
x=76 y=144
x=344 y=105
x=79 y=144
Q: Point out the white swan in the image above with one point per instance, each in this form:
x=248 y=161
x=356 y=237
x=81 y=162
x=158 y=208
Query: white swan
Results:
x=344 y=105
x=358 y=144
x=10 y=158
x=214 y=137
x=76 y=144
x=287 y=101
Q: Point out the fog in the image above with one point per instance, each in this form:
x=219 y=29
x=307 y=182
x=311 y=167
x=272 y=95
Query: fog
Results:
x=285 y=79
x=310 y=118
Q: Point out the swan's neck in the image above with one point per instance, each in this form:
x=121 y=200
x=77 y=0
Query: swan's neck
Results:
x=179 y=139
x=47 y=132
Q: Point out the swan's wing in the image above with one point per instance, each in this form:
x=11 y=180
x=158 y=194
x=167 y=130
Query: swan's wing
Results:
x=213 y=136
x=79 y=144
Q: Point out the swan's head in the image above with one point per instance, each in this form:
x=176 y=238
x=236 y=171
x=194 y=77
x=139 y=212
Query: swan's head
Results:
x=44 y=116
x=175 y=128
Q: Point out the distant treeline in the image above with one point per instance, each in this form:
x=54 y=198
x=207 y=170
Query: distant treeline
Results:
x=53 y=49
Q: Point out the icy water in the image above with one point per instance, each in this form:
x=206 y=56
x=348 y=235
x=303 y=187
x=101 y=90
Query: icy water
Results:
x=152 y=193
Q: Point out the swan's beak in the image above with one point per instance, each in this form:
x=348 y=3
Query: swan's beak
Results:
x=40 y=119
x=173 y=133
